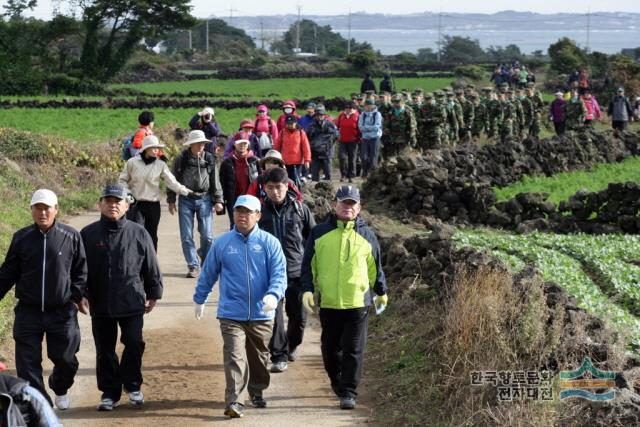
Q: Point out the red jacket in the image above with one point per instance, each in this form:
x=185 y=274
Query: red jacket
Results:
x=266 y=124
x=294 y=146
x=348 y=127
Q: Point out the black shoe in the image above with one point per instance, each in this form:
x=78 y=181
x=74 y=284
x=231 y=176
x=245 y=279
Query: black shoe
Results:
x=258 y=402
x=293 y=355
x=234 y=410
x=335 y=389
x=347 y=403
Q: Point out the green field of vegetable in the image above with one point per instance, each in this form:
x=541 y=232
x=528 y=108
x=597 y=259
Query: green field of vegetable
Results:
x=602 y=272
x=563 y=185
x=302 y=88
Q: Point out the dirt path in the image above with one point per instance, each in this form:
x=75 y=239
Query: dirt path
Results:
x=183 y=370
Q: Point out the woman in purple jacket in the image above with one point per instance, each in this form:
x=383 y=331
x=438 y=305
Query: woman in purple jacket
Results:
x=556 y=113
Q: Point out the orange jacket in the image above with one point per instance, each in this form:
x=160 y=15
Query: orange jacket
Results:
x=294 y=146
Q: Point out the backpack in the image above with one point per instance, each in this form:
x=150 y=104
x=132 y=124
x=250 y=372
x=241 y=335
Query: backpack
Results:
x=264 y=140
x=126 y=150
x=11 y=402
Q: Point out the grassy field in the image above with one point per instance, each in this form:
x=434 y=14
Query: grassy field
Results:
x=100 y=125
x=563 y=185
x=302 y=88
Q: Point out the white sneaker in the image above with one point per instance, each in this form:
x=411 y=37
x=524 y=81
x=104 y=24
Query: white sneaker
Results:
x=62 y=402
x=107 y=404
x=136 y=397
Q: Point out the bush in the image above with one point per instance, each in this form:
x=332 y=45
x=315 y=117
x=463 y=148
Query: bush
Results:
x=472 y=72
x=62 y=84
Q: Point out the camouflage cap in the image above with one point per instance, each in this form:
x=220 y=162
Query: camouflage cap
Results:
x=369 y=92
x=384 y=93
x=438 y=94
x=470 y=86
x=418 y=90
x=360 y=97
x=503 y=85
x=353 y=94
x=428 y=95
x=531 y=84
x=397 y=98
x=472 y=95
x=508 y=91
x=459 y=91
x=450 y=94
x=487 y=89
x=447 y=90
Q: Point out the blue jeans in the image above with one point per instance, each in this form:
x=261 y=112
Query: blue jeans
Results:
x=202 y=209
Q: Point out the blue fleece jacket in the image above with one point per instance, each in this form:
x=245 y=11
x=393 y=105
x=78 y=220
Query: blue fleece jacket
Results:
x=249 y=268
x=370 y=124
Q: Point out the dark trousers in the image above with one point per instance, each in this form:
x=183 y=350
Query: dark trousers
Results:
x=559 y=127
x=283 y=342
x=347 y=153
x=61 y=330
x=619 y=125
x=146 y=214
x=113 y=374
x=293 y=171
x=320 y=164
x=344 y=336
x=370 y=150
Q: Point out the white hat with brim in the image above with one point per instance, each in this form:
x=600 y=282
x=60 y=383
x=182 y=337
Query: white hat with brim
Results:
x=151 y=141
x=207 y=110
x=558 y=93
x=44 y=196
x=248 y=201
x=273 y=156
x=241 y=141
x=196 y=137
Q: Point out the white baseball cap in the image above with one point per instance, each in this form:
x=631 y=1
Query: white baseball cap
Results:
x=45 y=196
x=207 y=110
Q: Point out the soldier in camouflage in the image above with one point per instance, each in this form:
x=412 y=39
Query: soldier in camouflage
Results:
x=467 y=109
x=455 y=118
x=441 y=100
x=399 y=129
x=431 y=119
x=507 y=117
x=518 y=123
x=480 y=117
x=538 y=108
x=574 y=112
x=384 y=103
x=527 y=113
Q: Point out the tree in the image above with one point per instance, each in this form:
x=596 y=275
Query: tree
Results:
x=566 y=56
x=14 y=8
x=224 y=40
x=426 y=55
x=461 y=50
x=363 y=59
x=114 y=28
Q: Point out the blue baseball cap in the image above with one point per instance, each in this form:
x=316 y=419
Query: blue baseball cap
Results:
x=348 y=192
x=115 y=190
x=249 y=202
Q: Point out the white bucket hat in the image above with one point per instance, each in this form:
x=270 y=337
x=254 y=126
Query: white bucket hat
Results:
x=272 y=155
x=151 y=141
x=207 y=110
x=195 y=136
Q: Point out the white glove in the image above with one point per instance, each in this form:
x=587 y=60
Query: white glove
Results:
x=269 y=303
x=199 y=308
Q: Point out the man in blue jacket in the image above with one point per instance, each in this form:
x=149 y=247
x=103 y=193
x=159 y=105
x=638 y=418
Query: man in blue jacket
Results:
x=252 y=271
x=370 y=125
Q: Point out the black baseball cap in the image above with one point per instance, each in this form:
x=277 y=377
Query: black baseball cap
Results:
x=290 y=119
x=115 y=190
x=348 y=192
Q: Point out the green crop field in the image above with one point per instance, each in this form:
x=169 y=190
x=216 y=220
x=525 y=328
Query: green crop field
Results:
x=563 y=185
x=302 y=88
x=100 y=125
x=600 y=271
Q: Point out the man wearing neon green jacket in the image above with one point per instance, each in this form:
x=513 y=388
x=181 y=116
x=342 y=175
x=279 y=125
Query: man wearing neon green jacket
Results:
x=342 y=264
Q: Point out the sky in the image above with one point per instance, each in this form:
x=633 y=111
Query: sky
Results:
x=204 y=8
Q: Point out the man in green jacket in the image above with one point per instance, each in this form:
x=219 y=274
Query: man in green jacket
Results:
x=341 y=263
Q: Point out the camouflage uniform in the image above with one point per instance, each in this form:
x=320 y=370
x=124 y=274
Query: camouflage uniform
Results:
x=538 y=109
x=456 y=118
x=518 y=123
x=441 y=100
x=467 y=109
x=574 y=114
x=527 y=109
x=480 y=117
x=399 y=130
x=508 y=117
x=431 y=119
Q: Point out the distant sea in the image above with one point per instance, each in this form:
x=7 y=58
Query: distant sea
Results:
x=393 y=41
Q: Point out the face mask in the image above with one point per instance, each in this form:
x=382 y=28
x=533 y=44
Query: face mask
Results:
x=288 y=110
x=574 y=99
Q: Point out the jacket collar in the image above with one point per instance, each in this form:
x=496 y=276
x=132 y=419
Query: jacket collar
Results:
x=250 y=235
x=113 y=225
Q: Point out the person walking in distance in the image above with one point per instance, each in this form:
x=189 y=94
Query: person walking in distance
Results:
x=342 y=264
x=290 y=221
x=123 y=285
x=195 y=168
x=47 y=264
x=252 y=270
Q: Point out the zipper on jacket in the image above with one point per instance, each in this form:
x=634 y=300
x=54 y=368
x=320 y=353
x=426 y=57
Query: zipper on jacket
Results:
x=44 y=264
x=246 y=263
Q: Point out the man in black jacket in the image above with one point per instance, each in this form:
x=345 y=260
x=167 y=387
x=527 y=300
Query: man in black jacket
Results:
x=124 y=283
x=237 y=172
x=196 y=170
x=322 y=134
x=290 y=220
x=46 y=261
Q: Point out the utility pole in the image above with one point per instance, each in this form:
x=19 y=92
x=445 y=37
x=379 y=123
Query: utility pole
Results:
x=349 y=34
x=315 y=38
x=261 y=35
x=298 y=29
x=439 y=35
x=190 y=40
x=231 y=10
x=588 y=27
x=206 y=38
